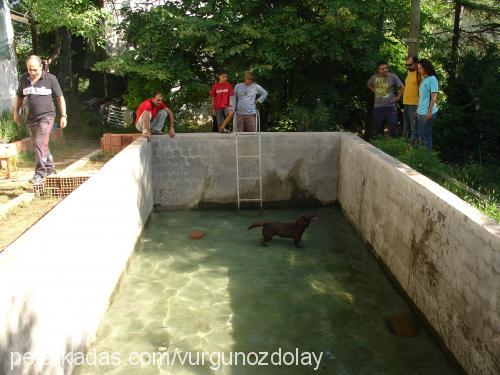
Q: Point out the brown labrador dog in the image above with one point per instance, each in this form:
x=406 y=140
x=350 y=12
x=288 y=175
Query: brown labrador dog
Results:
x=288 y=230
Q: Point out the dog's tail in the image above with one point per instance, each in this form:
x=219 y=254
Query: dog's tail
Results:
x=256 y=224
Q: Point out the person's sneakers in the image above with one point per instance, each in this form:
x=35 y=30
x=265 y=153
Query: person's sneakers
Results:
x=53 y=172
x=37 y=179
x=156 y=132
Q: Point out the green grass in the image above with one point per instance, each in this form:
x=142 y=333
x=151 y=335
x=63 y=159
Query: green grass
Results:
x=476 y=184
x=60 y=150
x=11 y=192
x=9 y=131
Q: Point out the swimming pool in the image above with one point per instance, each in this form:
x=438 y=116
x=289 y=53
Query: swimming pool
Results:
x=443 y=253
x=226 y=293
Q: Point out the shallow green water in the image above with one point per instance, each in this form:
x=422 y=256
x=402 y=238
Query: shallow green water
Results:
x=226 y=293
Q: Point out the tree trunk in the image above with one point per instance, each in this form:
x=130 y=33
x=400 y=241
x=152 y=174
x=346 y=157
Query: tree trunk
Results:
x=413 y=39
x=55 y=52
x=455 y=40
x=34 y=38
x=379 y=27
x=381 y=19
x=65 y=75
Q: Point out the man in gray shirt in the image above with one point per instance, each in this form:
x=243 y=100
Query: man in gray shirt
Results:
x=382 y=84
x=245 y=95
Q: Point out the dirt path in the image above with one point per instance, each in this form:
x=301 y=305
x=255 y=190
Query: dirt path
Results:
x=95 y=163
x=22 y=217
x=65 y=153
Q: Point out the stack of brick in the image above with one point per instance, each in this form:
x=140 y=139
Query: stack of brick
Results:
x=59 y=186
x=114 y=143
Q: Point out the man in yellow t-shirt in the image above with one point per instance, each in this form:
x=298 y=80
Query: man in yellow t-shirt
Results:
x=410 y=99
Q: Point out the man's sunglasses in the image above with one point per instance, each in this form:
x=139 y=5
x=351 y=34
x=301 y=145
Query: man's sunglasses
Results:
x=408 y=65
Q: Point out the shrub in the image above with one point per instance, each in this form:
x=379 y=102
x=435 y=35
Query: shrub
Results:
x=467 y=126
x=9 y=131
x=300 y=118
x=475 y=184
x=415 y=156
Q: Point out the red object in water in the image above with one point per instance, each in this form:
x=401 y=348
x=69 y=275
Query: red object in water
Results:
x=197 y=235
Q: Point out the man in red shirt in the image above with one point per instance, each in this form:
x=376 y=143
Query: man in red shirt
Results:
x=151 y=115
x=222 y=94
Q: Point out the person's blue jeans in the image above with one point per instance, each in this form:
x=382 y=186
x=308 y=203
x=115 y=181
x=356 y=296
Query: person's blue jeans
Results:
x=425 y=130
x=410 y=129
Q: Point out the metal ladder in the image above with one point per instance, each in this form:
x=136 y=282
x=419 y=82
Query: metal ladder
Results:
x=238 y=157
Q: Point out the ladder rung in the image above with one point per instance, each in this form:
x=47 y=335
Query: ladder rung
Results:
x=258 y=179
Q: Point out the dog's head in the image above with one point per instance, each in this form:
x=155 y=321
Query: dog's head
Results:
x=306 y=218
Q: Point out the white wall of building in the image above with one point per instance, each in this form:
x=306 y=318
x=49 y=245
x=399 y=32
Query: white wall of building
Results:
x=8 y=71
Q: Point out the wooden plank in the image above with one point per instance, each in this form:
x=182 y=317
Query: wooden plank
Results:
x=19 y=18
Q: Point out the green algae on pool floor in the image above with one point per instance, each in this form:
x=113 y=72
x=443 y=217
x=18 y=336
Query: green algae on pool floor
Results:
x=226 y=293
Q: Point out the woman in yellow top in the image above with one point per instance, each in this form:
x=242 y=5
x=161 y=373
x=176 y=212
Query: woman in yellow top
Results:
x=410 y=99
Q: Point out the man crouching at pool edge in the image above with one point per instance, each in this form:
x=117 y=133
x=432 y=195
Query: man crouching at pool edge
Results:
x=151 y=116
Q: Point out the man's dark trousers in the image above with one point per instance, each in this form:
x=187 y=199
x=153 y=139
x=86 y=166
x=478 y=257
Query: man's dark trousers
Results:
x=40 y=134
x=380 y=115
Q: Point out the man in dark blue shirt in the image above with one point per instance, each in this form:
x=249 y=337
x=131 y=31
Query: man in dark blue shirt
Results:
x=38 y=87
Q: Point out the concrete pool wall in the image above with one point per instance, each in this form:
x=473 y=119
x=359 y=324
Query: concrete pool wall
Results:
x=56 y=280
x=199 y=169
x=442 y=252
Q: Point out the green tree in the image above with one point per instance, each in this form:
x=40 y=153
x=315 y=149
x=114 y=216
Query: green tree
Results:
x=80 y=17
x=313 y=56
x=55 y=22
x=467 y=128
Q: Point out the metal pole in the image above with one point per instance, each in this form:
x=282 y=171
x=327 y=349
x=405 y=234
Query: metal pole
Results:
x=235 y=129
x=260 y=160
